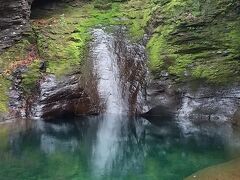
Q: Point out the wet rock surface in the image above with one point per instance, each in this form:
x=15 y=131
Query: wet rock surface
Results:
x=114 y=76
x=81 y=93
x=132 y=61
x=229 y=170
x=236 y=117
x=164 y=93
x=194 y=108
x=17 y=102
x=14 y=17
x=118 y=64
x=58 y=98
x=208 y=106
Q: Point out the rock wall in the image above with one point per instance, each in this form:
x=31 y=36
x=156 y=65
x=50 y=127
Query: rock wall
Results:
x=195 y=39
x=14 y=18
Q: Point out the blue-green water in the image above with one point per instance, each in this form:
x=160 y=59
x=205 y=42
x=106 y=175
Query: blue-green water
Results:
x=131 y=149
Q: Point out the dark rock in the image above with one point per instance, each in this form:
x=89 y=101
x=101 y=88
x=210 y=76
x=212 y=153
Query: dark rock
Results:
x=43 y=66
x=163 y=93
x=16 y=97
x=236 y=117
x=164 y=74
x=195 y=108
x=14 y=17
x=207 y=106
x=160 y=115
x=226 y=53
x=62 y=98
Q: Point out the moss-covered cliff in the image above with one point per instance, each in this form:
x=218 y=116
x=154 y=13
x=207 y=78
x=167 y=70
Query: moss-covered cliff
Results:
x=58 y=38
x=187 y=39
x=194 y=39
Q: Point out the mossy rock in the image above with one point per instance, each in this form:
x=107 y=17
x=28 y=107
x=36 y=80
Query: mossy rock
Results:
x=103 y=6
x=203 y=38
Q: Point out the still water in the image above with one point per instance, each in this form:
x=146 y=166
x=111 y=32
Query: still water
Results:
x=130 y=148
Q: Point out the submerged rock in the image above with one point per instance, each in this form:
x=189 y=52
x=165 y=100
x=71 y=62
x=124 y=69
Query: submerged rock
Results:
x=229 y=170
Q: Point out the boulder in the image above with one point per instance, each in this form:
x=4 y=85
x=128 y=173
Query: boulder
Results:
x=60 y=98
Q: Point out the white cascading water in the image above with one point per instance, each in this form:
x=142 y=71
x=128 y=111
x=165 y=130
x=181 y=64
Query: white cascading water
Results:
x=109 y=88
x=107 y=72
x=184 y=115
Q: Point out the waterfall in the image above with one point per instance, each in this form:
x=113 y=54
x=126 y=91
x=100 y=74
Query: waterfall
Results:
x=107 y=72
x=120 y=71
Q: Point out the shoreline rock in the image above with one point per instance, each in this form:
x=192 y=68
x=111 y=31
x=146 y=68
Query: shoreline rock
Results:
x=59 y=98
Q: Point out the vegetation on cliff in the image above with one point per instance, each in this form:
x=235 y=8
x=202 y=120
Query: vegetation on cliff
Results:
x=187 y=39
x=194 y=39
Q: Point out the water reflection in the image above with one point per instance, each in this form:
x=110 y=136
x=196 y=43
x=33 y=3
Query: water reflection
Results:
x=137 y=149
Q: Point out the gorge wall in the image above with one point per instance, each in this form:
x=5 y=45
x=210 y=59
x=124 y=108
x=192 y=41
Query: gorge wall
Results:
x=14 y=20
x=186 y=41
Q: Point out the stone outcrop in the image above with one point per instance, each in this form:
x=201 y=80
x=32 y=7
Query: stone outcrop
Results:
x=195 y=108
x=14 y=18
x=59 y=98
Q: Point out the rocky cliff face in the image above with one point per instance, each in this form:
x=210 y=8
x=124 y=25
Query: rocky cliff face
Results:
x=188 y=41
x=58 y=98
x=195 y=39
x=14 y=17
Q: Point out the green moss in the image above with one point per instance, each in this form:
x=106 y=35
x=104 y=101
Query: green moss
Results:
x=4 y=86
x=138 y=14
x=160 y=52
x=200 y=38
x=17 y=52
x=193 y=36
x=63 y=44
x=61 y=38
x=155 y=47
x=180 y=66
x=31 y=77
